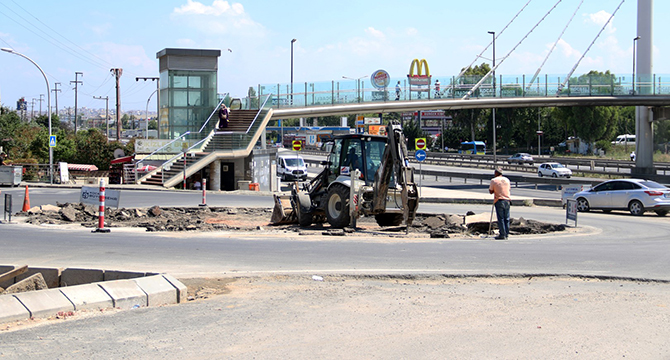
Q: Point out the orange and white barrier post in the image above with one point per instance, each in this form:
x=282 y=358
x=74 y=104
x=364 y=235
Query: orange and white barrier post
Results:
x=204 y=192
x=101 y=210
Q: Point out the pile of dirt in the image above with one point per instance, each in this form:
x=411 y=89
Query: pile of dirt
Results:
x=154 y=218
x=258 y=219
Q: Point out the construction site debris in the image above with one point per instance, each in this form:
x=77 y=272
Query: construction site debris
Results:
x=258 y=220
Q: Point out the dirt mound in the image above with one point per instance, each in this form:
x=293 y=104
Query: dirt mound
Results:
x=258 y=219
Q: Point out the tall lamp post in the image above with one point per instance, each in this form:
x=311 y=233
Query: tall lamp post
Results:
x=292 y=41
x=357 y=80
x=495 y=140
x=146 y=123
x=634 y=55
x=158 y=101
x=51 y=152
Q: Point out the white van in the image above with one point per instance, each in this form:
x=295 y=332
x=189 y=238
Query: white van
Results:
x=291 y=167
x=626 y=139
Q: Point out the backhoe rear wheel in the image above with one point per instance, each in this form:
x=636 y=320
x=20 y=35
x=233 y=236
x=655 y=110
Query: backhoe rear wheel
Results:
x=337 y=206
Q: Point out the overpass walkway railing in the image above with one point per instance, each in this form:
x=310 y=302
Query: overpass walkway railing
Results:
x=506 y=86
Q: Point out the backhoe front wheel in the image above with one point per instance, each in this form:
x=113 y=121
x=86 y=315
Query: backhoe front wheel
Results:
x=337 y=206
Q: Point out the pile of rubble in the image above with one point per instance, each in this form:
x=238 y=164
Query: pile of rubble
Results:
x=30 y=283
x=257 y=219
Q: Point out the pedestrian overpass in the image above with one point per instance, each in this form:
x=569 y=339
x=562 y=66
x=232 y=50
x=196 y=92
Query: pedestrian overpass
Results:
x=251 y=115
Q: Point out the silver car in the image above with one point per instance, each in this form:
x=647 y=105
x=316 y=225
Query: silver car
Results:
x=634 y=195
x=553 y=169
x=521 y=158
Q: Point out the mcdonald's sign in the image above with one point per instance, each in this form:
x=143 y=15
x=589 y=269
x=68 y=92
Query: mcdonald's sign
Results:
x=420 y=78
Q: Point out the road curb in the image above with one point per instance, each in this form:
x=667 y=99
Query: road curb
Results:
x=141 y=291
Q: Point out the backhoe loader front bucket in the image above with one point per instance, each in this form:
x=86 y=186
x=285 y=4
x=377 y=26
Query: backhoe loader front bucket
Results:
x=283 y=212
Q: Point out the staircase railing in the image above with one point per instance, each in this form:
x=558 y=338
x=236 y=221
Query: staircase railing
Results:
x=180 y=137
x=240 y=140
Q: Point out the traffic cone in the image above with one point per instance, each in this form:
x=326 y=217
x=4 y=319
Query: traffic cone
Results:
x=26 y=201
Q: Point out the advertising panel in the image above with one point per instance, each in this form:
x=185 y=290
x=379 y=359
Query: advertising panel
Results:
x=380 y=79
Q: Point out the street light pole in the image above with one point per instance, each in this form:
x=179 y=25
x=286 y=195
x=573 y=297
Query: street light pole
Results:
x=495 y=150
x=146 y=123
x=357 y=80
x=158 y=100
x=106 y=98
x=51 y=152
x=292 y=41
x=634 y=55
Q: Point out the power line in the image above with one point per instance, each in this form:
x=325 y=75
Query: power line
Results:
x=56 y=32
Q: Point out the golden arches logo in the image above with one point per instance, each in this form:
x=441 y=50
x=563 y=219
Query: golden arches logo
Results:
x=419 y=65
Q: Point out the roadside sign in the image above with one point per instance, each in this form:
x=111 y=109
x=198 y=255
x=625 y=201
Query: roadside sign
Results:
x=420 y=155
x=372 y=121
x=571 y=211
x=297 y=145
x=91 y=195
x=420 y=143
x=52 y=141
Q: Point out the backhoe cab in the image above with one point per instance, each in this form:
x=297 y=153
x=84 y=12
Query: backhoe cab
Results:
x=383 y=184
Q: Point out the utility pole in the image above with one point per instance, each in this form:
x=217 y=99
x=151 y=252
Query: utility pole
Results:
x=40 y=100
x=117 y=72
x=32 y=109
x=76 y=82
x=56 y=90
x=106 y=98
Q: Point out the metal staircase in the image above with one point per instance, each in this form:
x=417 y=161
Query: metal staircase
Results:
x=237 y=140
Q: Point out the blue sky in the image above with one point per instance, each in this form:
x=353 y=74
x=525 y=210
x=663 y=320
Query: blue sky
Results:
x=334 y=39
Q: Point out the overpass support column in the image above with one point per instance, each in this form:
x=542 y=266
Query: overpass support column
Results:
x=215 y=175
x=644 y=162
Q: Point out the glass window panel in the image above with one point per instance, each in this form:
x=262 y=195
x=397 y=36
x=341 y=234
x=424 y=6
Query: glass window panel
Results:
x=194 y=98
x=179 y=98
x=179 y=81
x=194 y=81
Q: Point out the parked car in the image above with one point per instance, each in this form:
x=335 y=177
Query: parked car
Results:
x=634 y=195
x=291 y=167
x=521 y=158
x=553 y=169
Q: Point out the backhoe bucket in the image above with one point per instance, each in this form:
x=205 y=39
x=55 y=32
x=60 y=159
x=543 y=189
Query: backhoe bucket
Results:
x=283 y=212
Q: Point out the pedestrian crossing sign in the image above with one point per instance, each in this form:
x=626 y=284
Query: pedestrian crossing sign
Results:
x=52 y=140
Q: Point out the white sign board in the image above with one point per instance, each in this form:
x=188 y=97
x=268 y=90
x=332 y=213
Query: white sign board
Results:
x=568 y=191
x=147 y=146
x=571 y=211
x=372 y=121
x=311 y=140
x=91 y=196
x=64 y=174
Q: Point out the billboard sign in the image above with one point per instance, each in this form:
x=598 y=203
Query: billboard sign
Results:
x=380 y=79
x=421 y=78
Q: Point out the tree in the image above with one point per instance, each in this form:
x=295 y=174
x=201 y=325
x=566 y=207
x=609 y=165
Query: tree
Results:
x=153 y=125
x=589 y=123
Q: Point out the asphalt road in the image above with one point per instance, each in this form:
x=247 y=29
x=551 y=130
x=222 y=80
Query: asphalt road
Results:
x=614 y=244
x=273 y=308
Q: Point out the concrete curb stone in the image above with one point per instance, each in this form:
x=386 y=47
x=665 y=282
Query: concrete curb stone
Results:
x=159 y=291
x=182 y=292
x=73 y=276
x=12 y=309
x=125 y=294
x=45 y=303
x=88 y=297
x=110 y=275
